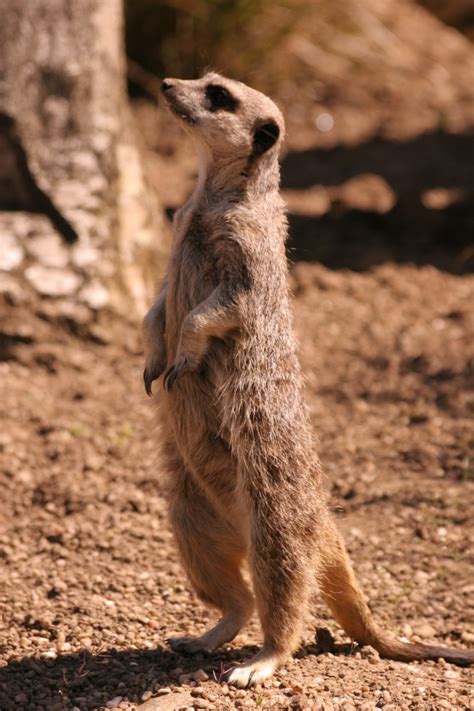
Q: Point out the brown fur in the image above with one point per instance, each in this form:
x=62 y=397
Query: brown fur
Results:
x=244 y=475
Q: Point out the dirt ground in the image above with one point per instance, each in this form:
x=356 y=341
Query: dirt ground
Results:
x=92 y=586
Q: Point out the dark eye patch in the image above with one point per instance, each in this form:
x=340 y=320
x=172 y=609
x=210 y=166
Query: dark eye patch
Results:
x=219 y=98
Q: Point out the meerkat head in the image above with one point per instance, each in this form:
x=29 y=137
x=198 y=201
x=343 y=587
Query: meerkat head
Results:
x=231 y=120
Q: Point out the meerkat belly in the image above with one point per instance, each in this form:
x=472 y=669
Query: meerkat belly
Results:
x=192 y=410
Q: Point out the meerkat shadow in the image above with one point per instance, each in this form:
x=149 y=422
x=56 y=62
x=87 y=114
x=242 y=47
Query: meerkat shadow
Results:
x=89 y=680
x=84 y=678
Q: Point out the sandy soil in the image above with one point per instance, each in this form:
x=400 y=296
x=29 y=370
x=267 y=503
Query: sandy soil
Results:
x=92 y=586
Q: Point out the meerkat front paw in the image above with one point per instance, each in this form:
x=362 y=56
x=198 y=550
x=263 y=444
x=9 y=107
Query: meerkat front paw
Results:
x=180 y=367
x=189 y=645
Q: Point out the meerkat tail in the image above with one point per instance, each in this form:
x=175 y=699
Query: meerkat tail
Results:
x=343 y=595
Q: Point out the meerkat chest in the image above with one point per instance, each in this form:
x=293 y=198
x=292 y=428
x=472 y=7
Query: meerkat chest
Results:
x=193 y=274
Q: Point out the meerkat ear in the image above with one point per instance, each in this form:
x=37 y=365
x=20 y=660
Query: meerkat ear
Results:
x=265 y=136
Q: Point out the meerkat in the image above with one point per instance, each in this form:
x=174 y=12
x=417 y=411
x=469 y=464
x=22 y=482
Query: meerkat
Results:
x=244 y=478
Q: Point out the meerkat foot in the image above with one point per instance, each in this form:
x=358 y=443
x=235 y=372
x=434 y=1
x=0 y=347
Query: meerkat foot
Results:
x=225 y=631
x=256 y=670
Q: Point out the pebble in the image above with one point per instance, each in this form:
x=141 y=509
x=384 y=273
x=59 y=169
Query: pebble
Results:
x=424 y=630
x=407 y=631
x=95 y=295
x=199 y=675
x=49 y=250
x=164 y=691
x=421 y=577
x=114 y=702
x=11 y=253
x=52 y=282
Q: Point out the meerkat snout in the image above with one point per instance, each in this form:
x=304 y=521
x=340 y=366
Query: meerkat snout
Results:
x=166 y=85
x=228 y=117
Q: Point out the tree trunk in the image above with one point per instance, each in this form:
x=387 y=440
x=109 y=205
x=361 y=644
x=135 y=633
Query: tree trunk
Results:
x=69 y=152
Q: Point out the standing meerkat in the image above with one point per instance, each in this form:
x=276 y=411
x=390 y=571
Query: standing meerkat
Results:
x=244 y=479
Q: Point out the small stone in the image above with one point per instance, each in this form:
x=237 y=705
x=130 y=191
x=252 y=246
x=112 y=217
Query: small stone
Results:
x=199 y=675
x=197 y=691
x=164 y=691
x=114 y=702
x=95 y=295
x=420 y=577
x=184 y=678
x=49 y=250
x=11 y=253
x=146 y=695
x=297 y=688
x=424 y=630
x=94 y=462
x=83 y=255
x=52 y=282
x=11 y=289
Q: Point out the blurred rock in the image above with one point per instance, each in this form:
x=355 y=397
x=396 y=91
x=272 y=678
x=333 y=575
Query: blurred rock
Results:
x=52 y=282
x=49 y=250
x=11 y=253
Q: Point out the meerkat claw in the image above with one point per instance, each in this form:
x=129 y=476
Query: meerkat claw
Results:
x=171 y=376
x=148 y=379
x=177 y=370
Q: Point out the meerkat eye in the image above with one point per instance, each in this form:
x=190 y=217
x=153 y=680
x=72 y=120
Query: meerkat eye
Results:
x=220 y=98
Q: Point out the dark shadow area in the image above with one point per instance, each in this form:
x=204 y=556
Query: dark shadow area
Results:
x=409 y=232
x=18 y=187
x=88 y=681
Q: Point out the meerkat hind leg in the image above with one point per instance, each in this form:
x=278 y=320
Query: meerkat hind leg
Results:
x=280 y=581
x=212 y=555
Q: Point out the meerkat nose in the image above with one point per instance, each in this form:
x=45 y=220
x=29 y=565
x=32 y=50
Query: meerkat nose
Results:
x=166 y=85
